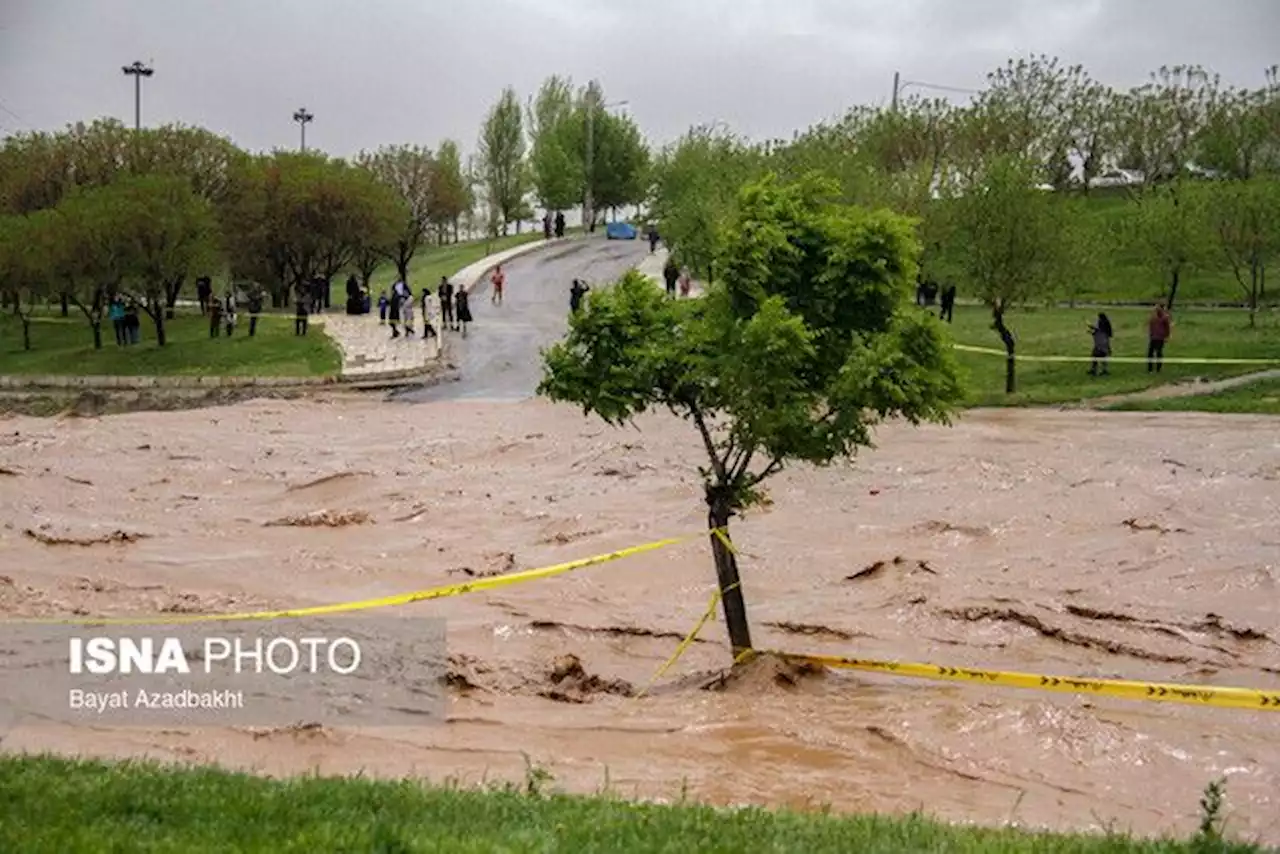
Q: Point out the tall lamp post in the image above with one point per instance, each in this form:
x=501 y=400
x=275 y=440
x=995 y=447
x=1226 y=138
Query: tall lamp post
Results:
x=302 y=117
x=138 y=71
x=593 y=104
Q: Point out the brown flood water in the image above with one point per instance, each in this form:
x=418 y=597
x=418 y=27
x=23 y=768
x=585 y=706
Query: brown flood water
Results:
x=1015 y=554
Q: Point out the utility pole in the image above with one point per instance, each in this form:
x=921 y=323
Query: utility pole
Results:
x=899 y=85
x=138 y=71
x=302 y=117
x=896 y=79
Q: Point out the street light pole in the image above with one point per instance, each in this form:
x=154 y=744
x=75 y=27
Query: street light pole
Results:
x=302 y=117
x=138 y=71
x=899 y=84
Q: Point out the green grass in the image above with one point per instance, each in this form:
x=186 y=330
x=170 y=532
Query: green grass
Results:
x=65 y=346
x=1062 y=331
x=1123 y=277
x=64 y=806
x=1257 y=398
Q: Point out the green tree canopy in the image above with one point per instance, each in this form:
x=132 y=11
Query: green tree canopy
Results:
x=807 y=343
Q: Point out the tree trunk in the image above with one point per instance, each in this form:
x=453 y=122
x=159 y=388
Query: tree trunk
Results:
x=159 y=317
x=997 y=317
x=172 y=290
x=26 y=332
x=1254 y=272
x=96 y=326
x=402 y=269
x=63 y=300
x=735 y=607
x=1173 y=288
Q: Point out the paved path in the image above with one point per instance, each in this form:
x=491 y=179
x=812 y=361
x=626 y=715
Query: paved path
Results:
x=367 y=346
x=1180 y=389
x=652 y=266
x=500 y=357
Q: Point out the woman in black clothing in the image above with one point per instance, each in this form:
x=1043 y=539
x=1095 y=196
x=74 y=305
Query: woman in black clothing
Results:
x=462 y=309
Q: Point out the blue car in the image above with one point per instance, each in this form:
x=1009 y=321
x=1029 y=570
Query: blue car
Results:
x=621 y=231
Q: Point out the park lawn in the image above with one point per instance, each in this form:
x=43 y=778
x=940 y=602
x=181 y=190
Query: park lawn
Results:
x=1121 y=275
x=1258 y=398
x=1063 y=332
x=63 y=806
x=65 y=346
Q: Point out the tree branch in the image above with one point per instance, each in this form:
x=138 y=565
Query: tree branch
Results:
x=716 y=464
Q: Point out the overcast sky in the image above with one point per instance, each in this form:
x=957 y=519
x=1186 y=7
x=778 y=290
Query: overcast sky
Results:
x=379 y=71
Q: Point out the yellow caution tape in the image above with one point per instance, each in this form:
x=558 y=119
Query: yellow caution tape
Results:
x=1138 y=360
x=707 y=616
x=479 y=584
x=1160 y=692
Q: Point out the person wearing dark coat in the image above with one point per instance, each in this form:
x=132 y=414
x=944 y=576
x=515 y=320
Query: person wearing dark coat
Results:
x=559 y=224
x=462 y=309
x=546 y=226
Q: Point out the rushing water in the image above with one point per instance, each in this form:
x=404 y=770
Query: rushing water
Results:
x=1112 y=545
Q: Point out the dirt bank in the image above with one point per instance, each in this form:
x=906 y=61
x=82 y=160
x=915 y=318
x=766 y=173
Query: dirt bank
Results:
x=1140 y=546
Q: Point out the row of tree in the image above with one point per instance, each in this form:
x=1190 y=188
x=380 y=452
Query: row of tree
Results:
x=101 y=211
x=1000 y=187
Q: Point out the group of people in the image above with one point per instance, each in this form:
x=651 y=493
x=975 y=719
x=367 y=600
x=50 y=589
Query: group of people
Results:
x=125 y=321
x=552 y=226
x=674 y=277
x=1159 y=330
x=224 y=314
x=928 y=292
x=397 y=309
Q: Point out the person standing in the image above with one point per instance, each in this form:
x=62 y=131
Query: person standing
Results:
x=546 y=226
x=1102 y=335
x=383 y=305
x=576 y=293
x=406 y=312
x=300 y=316
x=428 y=330
x=229 y=311
x=397 y=305
x=1159 y=329
x=463 y=309
x=671 y=274
x=559 y=224
x=215 y=318
x=204 y=292
x=445 y=292
x=948 y=303
x=132 y=324
x=255 y=309
x=653 y=239
x=498 y=280
x=116 y=313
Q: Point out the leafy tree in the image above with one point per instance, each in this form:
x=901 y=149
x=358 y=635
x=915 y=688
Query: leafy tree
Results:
x=1161 y=121
x=1239 y=138
x=696 y=183
x=1245 y=217
x=1170 y=231
x=408 y=170
x=502 y=149
x=557 y=165
x=83 y=252
x=808 y=342
x=1008 y=243
x=165 y=231
x=449 y=191
x=21 y=282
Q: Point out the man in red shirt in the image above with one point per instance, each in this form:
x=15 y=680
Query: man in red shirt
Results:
x=1159 y=328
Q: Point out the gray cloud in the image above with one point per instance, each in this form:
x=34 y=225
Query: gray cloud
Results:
x=423 y=70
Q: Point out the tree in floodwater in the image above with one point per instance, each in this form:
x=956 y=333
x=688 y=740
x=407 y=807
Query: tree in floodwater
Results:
x=808 y=340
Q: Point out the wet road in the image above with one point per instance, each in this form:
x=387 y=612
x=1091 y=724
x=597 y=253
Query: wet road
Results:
x=499 y=360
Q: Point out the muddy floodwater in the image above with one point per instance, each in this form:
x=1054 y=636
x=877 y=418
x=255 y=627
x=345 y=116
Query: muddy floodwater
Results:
x=1108 y=545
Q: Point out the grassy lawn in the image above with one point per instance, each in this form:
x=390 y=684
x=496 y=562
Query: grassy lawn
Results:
x=64 y=806
x=1122 y=276
x=1062 y=331
x=1259 y=398
x=65 y=346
